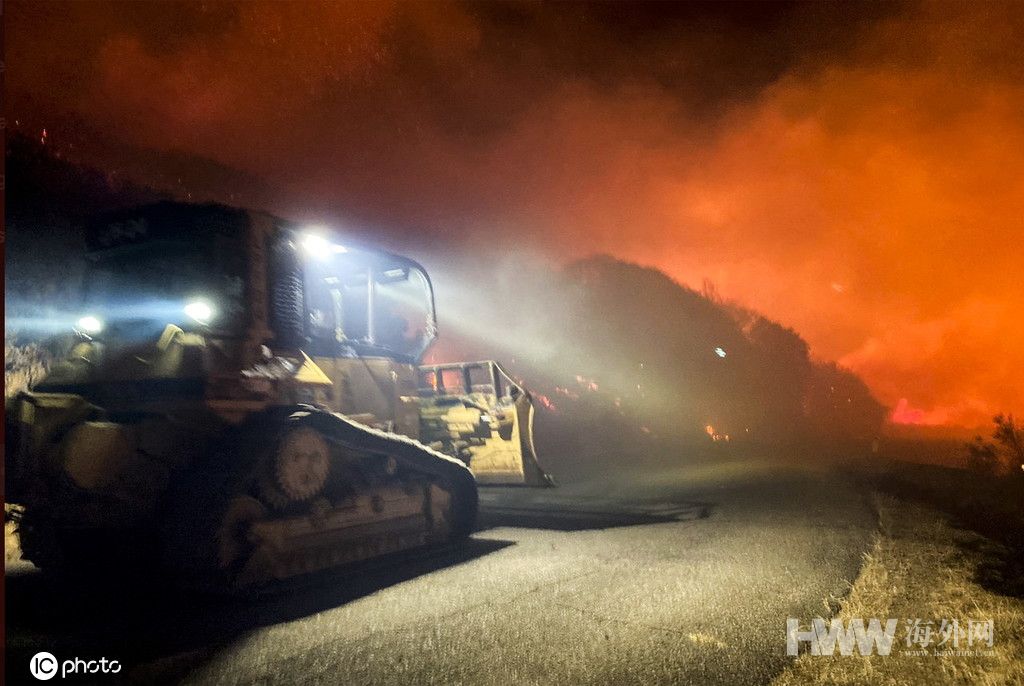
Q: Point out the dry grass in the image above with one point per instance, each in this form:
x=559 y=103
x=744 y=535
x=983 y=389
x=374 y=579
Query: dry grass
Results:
x=12 y=548
x=24 y=365
x=921 y=567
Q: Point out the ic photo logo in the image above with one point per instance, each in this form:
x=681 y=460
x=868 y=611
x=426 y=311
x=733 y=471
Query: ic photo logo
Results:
x=44 y=666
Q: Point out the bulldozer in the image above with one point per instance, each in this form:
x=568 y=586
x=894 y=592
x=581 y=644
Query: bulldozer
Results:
x=243 y=401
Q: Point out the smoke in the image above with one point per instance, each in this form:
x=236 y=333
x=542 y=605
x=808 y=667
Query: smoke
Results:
x=853 y=172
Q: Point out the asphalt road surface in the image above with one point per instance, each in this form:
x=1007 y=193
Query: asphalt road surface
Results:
x=682 y=575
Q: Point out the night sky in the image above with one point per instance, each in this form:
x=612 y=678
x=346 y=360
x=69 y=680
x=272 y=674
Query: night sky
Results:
x=853 y=171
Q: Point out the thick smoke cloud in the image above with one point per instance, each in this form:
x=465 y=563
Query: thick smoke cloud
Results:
x=855 y=177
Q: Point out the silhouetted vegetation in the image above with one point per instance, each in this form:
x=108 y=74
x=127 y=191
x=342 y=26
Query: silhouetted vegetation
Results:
x=1002 y=456
x=633 y=356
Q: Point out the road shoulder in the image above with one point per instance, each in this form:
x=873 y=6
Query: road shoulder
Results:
x=920 y=567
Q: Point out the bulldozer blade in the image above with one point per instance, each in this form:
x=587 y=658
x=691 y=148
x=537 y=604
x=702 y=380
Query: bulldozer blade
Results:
x=477 y=412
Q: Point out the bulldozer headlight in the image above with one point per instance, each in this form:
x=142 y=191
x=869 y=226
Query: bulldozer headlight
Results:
x=199 y=310
x=319 y=247
x=90 y=324
x=316 y=246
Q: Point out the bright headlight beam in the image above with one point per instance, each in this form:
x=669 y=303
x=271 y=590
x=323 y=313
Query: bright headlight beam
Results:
x=90 y=324
x=200 y=311
x=316 y=246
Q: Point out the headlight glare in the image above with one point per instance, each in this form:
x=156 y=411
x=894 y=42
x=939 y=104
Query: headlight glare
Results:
x=90 y=324
x=200 y=310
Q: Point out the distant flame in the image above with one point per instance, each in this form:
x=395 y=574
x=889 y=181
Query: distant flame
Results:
x=903 y=413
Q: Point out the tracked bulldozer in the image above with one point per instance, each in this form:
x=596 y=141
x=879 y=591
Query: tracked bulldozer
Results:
x=243 y=401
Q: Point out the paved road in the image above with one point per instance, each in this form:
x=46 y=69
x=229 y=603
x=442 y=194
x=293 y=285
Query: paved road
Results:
x=659 y=576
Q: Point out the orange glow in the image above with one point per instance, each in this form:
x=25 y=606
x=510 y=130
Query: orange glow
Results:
x=868 y=196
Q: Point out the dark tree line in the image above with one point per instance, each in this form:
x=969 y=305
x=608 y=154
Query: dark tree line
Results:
x=682 y=361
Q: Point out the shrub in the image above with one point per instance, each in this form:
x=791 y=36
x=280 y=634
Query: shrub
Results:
x=1002 y=456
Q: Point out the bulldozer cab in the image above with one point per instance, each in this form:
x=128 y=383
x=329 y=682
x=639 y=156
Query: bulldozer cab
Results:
x=363 y=302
